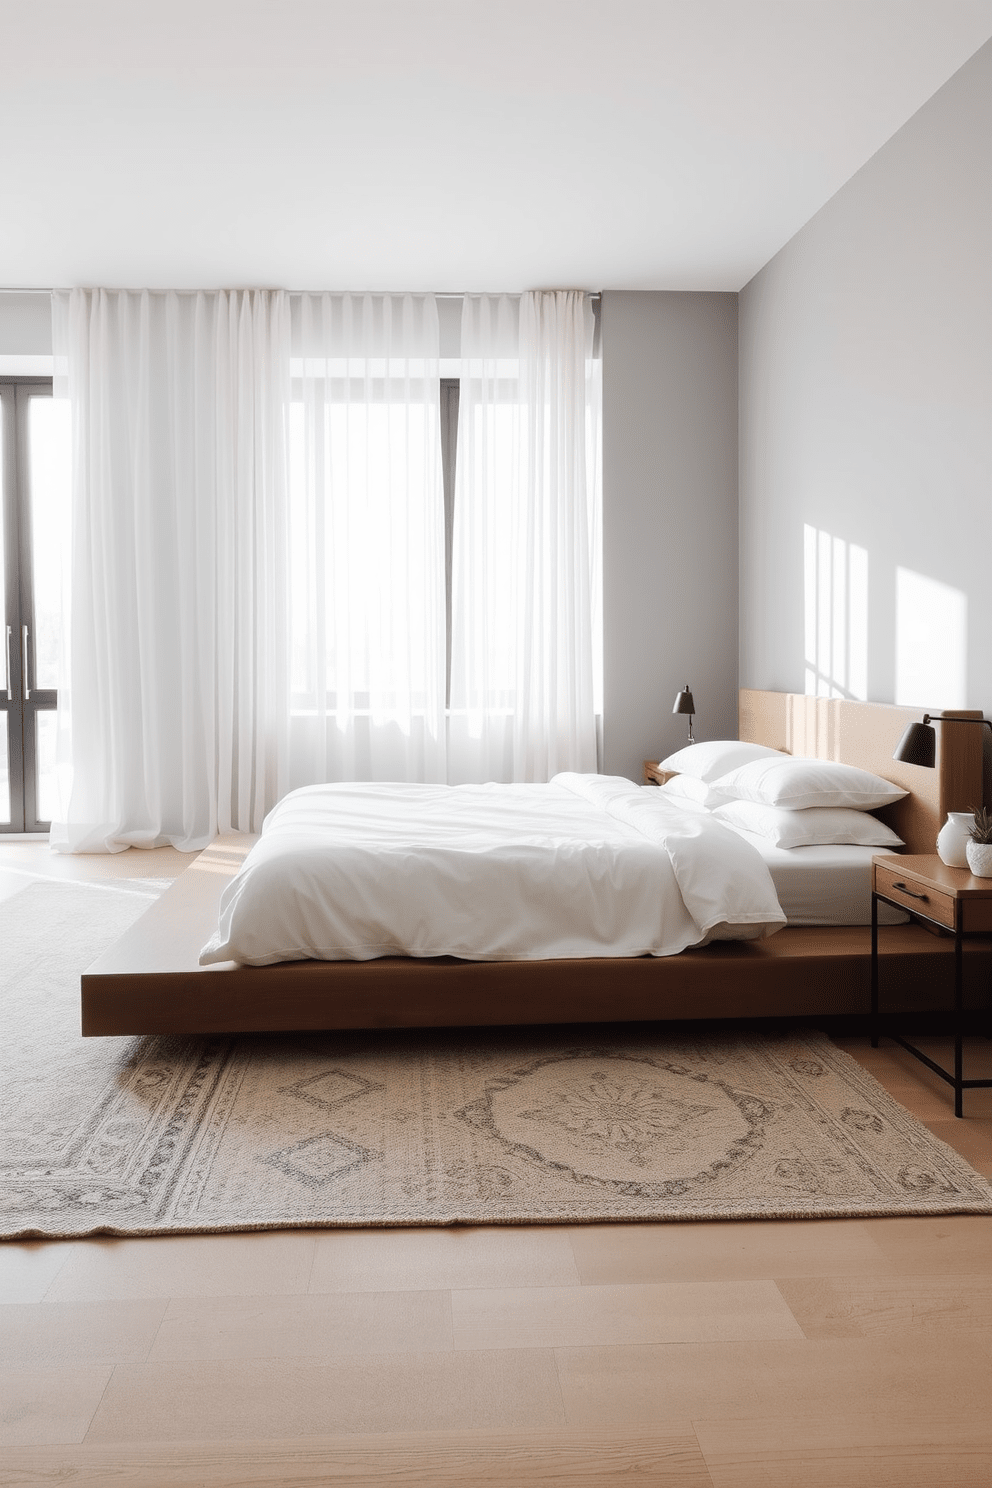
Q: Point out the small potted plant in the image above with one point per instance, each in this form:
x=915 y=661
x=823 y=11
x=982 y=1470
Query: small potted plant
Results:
x=979 y=848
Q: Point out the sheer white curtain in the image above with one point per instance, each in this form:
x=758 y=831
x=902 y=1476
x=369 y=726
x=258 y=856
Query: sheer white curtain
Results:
x=367 y=539
x=525 y=589
x=174 y=689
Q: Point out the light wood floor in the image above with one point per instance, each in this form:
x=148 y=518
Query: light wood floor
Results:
x=855 y=1352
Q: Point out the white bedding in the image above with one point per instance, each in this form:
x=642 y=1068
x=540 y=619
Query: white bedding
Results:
x=586 y=866
x=828 y=885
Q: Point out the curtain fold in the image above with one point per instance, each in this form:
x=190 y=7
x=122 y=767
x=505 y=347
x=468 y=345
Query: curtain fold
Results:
x=367 y=535
x=173 y=699
x=525 y=607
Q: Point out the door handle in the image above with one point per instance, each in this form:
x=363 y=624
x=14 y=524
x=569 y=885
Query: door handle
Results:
x=10 y=695
x=24 y=674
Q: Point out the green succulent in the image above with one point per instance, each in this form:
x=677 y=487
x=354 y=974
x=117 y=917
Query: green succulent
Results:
x=981 y=831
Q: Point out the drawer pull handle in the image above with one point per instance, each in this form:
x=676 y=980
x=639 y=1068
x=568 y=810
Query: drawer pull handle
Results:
x=911 y=893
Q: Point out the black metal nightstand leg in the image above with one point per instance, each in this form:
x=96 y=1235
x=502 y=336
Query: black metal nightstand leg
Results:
x=958 y=1020
x=874 y=970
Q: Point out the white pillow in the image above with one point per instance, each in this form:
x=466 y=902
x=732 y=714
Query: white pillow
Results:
x=715 y=757
x=686 y=790
x=816 y=826
x=802 y=783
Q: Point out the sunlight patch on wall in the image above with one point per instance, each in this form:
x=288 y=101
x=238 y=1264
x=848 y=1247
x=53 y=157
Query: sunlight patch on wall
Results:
x=931 y=642
x=836 y=616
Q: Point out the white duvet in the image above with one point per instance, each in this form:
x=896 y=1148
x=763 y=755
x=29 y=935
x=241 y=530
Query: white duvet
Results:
x=588 y=865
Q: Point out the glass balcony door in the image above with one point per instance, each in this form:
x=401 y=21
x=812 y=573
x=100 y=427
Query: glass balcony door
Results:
x=34 y=459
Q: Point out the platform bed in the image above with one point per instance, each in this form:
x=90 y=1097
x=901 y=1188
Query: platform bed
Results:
x=149 y=982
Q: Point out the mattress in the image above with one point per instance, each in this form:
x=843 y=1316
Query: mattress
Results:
x=823 y=885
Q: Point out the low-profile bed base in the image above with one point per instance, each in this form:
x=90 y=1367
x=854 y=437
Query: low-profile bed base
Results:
x=150 y=981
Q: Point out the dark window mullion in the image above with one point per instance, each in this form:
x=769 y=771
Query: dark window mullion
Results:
x=33 y=700
x=11 y=698
x=449 y=445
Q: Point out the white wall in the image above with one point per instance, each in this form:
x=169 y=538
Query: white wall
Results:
x=669 y=520
x=866 y=417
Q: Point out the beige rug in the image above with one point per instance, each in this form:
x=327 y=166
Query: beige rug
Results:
x=161 y=1135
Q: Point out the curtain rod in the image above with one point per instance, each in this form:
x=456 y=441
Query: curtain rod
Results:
x=442 y=294
x=459 y=294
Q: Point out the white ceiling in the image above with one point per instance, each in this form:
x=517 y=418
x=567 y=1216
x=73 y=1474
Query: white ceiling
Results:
x=445 y=144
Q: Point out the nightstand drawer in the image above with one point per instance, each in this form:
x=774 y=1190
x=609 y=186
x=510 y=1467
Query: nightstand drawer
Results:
x=911 y=894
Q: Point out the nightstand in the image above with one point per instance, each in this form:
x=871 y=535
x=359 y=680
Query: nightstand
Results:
x=948 y=898
x=655 y=775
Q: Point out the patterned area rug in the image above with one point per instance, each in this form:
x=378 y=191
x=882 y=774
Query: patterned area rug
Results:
x=162 y=1135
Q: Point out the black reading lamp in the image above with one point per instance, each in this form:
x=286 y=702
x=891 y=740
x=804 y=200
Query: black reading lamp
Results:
x=918 y=745
x=684 y=704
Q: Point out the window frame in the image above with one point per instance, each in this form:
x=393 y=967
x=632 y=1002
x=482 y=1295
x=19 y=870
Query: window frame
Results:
x=19 y=701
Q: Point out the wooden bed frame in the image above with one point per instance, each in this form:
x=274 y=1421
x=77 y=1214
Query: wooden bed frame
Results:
x=150 y=982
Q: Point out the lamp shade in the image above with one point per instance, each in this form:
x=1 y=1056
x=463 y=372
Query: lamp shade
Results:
x=683 y=701
x=918 y=746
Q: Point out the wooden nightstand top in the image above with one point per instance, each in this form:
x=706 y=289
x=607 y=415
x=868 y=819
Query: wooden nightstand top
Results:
x=655 y=775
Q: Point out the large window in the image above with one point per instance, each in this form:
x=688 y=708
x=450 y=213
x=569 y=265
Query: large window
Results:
x=321 y=544
x=34 y=436
x=362 y=454
x=444 y=541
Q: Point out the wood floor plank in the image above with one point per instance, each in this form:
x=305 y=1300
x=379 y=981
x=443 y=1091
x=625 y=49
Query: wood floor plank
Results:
x=39 y=1406
x=915 y=1450
x=78 y=1332
x=193 y=1400
x=38 y=860
x=315 y=1327
x=28 y=1267
x=948 y=1245
x=429 y=1258
x=892 y=1056
x=271 y=1263
x=977 y=1055
x=635 y=1384
x=934 y=1101
x=899 y=1308
x=664 y=1456
x=971 y=1137
x=667 y=1312
x=724 y=1250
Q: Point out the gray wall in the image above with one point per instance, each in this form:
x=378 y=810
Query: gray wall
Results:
x=25 y=324
x=866 y=417
x=670 y=545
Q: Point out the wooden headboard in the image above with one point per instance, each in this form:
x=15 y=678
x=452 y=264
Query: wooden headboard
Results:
x=865 y=734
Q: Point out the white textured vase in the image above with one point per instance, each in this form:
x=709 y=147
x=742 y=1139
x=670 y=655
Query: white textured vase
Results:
x=953 y=838
x=980 y=858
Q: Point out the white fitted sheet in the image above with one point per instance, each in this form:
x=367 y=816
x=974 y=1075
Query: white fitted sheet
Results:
x=823 y=885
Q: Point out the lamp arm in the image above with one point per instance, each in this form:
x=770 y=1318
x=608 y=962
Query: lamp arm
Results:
x=952 y=718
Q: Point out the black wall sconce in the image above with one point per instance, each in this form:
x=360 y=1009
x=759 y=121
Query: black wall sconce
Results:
x=918 y=745
x=684 y=704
